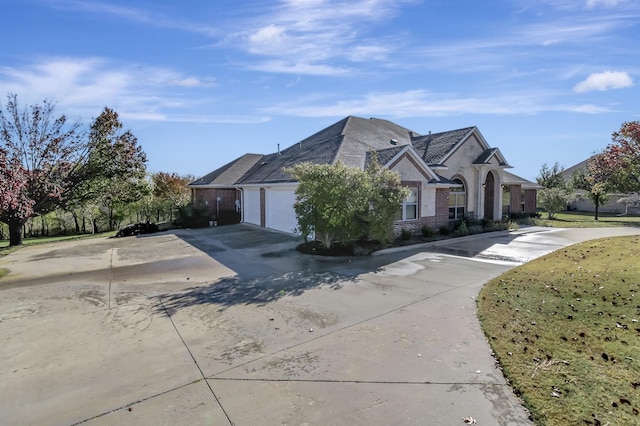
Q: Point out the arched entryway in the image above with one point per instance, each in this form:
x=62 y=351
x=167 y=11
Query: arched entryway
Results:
x=489 y=191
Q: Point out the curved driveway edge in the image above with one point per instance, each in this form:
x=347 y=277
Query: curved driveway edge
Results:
x=231 y=325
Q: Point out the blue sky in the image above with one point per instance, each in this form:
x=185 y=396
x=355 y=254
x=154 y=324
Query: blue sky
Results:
x=203 y=82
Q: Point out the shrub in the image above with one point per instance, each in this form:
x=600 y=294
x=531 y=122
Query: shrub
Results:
x=444 y=230
x=358 y=250
x=193 y=216
x=405 y=234
x=462 y=229
x=427 y=231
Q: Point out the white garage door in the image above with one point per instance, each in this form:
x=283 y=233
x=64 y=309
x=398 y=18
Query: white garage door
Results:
x=279 y=210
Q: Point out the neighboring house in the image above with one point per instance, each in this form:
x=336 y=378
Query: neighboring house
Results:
x=452 y=175
x=583 y=203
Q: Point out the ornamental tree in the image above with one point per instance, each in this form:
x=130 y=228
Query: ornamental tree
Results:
x=341 y=204
x=556 y=195
x=551 y=177
x=172 y=188
x=46 y=162
x=595 y=180
x=620 y=160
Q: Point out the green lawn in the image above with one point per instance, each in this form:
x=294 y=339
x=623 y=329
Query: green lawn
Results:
x=5 y=249
x=586 y=220
x=565 y=330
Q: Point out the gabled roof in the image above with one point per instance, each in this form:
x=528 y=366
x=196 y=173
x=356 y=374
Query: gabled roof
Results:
x=228 y=174
x=434 y=148
x=350 y=140
x=490 y=153
x=347 y=141
x=567 y=173
x=390 y=156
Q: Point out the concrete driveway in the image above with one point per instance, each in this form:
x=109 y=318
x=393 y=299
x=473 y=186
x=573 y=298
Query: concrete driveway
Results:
x=231 y=325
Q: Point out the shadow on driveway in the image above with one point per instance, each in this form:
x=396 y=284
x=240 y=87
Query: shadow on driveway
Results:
x=267 y=265
x=259 y=291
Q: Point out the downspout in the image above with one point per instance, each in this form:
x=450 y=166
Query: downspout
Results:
x=241 y=204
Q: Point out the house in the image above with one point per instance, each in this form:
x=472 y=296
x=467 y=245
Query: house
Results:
x=452 y=175
x=615 y=203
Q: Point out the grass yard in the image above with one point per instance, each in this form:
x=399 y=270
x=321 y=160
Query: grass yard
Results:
x=5 y=249
x=565 y=330
x=586 y=220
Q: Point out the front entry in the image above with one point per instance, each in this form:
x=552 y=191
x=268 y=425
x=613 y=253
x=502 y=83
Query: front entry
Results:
x=489 y=191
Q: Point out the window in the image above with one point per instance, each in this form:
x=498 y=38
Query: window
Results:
x=523 y=199
x=457 y=201
x=409 y=207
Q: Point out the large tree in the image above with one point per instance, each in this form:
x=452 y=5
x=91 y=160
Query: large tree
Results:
x=47 y=162
x=171 y=189
x=551 y=177
x=620 y=160
x=340 y=203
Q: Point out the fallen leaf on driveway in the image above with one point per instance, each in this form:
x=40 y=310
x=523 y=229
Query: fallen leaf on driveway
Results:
x=469 y=420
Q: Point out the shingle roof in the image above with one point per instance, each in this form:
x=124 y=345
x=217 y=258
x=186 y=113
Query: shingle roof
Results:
x=433 y=148
x=384 y=155
x=229 y=173
x=350 y=140
x=347 y=141
x=511 y=179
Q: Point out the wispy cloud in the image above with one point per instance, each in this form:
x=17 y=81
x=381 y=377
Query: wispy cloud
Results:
x=422 y=103
x=148 y=17
x=85 y=85
x=303 y=36
x=605 y=80
x=605 y=3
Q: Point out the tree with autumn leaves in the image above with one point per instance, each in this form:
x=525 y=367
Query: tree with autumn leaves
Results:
x=47 y=162
x=619 y=163
x=171 y=189
x=616 y=168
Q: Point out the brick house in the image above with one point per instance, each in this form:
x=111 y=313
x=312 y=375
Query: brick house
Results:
x=451 y=175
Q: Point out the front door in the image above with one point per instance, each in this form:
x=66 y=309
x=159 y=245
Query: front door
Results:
x=489 y=191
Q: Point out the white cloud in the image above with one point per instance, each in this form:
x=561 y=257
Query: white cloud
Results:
x=83 y=86
x=606 y=3
x=590 y=109
x=310 y=33
x=604 y=81
x=271 y=39
x=422 y=103
x=364 y=53
x=299 y=68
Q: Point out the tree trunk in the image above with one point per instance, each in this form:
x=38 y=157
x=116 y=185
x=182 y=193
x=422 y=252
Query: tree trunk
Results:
x=15 y=231
x=597 y=203
x=75 y=221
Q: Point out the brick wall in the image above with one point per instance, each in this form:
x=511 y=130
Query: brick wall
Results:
x=434 y=222
x=226 y=208
x=516 y=198
x=530 y=200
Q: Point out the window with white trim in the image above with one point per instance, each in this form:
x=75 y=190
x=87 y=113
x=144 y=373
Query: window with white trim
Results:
x=409 y=207
x=457 y=201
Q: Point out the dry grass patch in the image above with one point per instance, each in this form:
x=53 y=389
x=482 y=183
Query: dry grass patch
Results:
x=565 y=330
